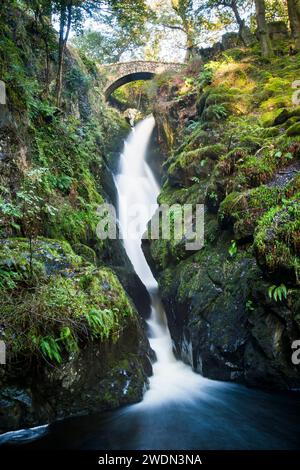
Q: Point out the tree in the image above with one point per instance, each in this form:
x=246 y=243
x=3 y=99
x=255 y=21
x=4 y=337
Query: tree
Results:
x=234 y=6
x=33 y=207
x=67 y=10
x=42 y=10
x=185 y=11
x=183 y=16
x=119 y=32
x=276 y=10
x=105 y=47
x=71 y=13
x=265 y=41
x=98 y=46
x=294 y=18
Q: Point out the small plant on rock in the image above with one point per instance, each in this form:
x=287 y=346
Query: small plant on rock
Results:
x=278 y=293
x=249 y=306
x=233 y=249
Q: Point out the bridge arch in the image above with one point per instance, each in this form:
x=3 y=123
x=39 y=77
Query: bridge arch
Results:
x=121 y=73
x=131 y=77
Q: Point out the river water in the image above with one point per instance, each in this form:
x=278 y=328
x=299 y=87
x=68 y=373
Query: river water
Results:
x=181 y=409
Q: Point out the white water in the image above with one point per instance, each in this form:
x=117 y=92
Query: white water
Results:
x=181 y=410
x=172 y=379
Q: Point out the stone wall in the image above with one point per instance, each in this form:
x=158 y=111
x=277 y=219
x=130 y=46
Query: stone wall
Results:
x=277 y=30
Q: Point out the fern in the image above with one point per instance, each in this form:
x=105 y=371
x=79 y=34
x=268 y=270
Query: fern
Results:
x=102 y=322
x=278 y=293
x=51 y=349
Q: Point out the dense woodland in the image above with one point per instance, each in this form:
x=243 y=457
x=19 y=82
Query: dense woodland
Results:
x=228 y=127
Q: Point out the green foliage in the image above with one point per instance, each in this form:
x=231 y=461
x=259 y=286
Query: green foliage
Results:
x=76 y=78
x=8 y=279
x=51 y=349
x=68 y=301
x=278 y=293
x=107 y=47
x=134 y=95
x=294 y=130
x=277 y=238
x=232 y=250
x=249 y=306
x=205 y=77
x=102 y=322
x=215 y=111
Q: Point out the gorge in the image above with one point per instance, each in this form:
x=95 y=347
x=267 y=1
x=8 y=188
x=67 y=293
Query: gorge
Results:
x=136 y=343
x=181 y=409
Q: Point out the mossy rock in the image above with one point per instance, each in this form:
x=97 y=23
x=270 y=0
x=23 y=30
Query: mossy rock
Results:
x=285 y=114
x=216 y=112
x=277 y=241
x=219 y=97
x=194 y=163
x=271 y=132
x=294 y=130
x=241 y=211
x=48 y=257
x=58 y=292
x=258 y=170
x=295 y=112
x=215 y=193
x=85 y=252
x=211 y=229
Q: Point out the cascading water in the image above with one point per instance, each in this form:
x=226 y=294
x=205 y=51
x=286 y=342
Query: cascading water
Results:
x=181 y=410
x=135 y=182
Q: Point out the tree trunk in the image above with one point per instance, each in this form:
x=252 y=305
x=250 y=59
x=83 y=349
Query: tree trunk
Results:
x=65 y=19
x=265 y=41
x=294 y=17
x=191 y=49
x=240 y=22
x=45 y=22
x=30 y=256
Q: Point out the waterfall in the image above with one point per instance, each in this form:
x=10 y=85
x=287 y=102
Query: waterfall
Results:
x=181 y=409
x=135 y=182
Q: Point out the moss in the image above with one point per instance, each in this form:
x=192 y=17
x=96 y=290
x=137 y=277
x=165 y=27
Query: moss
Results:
x=220 y=95
x=77 y=225
x=294 y=130
x=258 y=170
x=88 y=302
x=268 y=119
x=85 y=252
x=194 y=163
x=271 y=132
x=199 y=137
x=216 y=112
x=277 y=241
x=212 y=152
x=48 y=256
x=242 y=210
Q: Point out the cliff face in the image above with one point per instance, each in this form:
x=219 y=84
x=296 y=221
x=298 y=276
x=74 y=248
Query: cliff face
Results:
x=69 y=327
x=234 y=145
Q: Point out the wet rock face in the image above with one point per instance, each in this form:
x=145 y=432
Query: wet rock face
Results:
x=102 y=377
x=99 y=377
x=222 y=319
x=102 y=372
x=223 y=323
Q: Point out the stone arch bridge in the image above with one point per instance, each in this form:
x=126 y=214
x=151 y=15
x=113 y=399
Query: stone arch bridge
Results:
x=124 y=72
